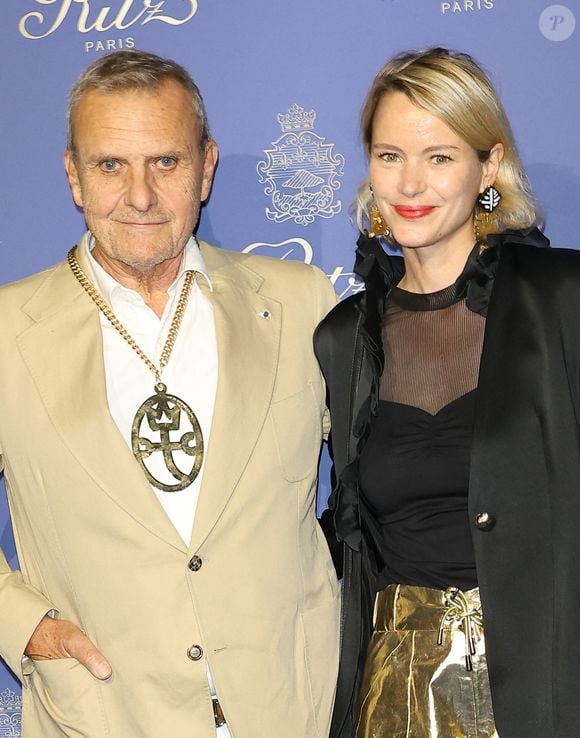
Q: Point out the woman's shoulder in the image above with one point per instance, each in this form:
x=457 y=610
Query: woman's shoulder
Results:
x=545 y=263
x=548 y=277
x=344 y=317
x=337 y=332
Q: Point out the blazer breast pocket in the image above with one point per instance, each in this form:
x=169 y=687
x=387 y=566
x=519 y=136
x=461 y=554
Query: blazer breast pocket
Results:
x=297 y=424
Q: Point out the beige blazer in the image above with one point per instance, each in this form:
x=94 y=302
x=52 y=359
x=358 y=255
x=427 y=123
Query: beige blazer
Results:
x=94 y=543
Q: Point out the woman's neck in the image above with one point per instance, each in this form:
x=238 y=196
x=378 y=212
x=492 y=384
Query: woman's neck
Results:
x=432 y=268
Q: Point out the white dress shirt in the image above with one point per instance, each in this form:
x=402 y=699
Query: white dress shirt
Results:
x=191 y=373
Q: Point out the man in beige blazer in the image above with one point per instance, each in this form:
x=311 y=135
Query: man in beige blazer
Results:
x=143 y=366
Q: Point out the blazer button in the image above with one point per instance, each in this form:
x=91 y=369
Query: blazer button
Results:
x=195 y=563
x=195 y=652
x=484 y=521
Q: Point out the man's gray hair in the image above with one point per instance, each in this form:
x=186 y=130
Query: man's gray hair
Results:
x=134 y=70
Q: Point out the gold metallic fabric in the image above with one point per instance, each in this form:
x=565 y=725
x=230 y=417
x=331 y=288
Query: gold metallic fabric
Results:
x=425 y=673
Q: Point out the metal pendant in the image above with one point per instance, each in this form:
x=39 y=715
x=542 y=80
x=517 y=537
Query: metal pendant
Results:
x=163 y=433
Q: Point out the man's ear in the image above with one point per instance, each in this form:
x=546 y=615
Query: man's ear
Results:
x=72 y=174
x=209 y=165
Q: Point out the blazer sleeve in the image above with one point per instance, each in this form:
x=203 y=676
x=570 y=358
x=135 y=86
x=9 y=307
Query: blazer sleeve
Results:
x=334 y=346
x=327 y=300
x=21 y=609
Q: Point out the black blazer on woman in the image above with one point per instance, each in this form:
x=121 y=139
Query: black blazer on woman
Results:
x=524 y=489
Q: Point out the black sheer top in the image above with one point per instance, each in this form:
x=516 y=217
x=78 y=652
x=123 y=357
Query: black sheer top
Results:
x=414 y=465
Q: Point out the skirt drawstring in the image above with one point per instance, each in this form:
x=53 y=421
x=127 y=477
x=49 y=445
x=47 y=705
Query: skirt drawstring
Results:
x=466 y=616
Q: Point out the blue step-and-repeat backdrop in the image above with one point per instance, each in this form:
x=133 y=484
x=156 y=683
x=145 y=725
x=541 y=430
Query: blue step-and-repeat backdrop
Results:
x=273 y=74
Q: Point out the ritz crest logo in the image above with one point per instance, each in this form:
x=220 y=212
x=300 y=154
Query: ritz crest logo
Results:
x=10 y=714
x=300 y=172
x=117 y=16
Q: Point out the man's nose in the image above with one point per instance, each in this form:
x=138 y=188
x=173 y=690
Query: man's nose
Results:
x=140 y=193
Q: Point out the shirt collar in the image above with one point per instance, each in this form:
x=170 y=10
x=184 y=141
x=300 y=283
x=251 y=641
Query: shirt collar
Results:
x=192 y=261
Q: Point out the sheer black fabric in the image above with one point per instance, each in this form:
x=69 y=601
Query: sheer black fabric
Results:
x=414 y=466
x=432 y=349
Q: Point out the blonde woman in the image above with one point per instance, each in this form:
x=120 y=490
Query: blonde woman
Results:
x=453 y=385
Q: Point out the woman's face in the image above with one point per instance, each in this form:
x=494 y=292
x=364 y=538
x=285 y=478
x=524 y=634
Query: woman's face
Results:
x=425 y=178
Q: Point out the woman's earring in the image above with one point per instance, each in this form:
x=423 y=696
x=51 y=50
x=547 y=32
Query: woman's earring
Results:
x=379 y=226
x=484 y=222
x=489 y=199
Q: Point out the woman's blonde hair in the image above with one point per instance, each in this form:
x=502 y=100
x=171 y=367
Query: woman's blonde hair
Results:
x=452 y=86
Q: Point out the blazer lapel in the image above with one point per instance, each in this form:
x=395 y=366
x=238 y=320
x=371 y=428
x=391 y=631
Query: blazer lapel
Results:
x=248 y=327
x=69 y=375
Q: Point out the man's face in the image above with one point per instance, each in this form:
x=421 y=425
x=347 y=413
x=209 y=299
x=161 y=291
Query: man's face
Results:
x=138 y=173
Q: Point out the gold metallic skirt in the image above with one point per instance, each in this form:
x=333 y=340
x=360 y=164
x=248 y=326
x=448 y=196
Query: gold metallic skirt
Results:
x=425 y=673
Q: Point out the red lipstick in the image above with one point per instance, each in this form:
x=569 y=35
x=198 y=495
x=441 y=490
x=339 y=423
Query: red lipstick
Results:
x=413 y=212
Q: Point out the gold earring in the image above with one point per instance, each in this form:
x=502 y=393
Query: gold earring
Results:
x=379 y=226
x=485 y=220
x=479 y=228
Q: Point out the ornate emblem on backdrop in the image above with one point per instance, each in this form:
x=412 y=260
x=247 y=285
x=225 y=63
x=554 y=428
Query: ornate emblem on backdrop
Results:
x=10 y=714
x=301 y=172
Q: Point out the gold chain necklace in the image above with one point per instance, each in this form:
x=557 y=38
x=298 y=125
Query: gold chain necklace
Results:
x=163 y=412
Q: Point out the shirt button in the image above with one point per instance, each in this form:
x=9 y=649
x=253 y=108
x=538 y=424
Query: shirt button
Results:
x=195 y=563
x=484 y=521
x=195 y=652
